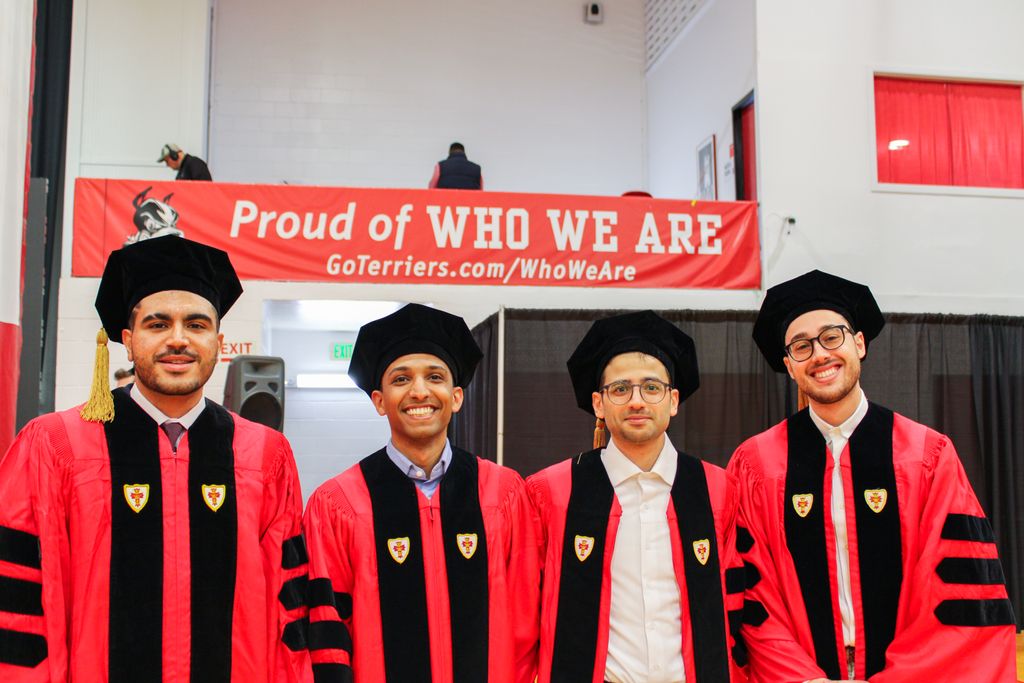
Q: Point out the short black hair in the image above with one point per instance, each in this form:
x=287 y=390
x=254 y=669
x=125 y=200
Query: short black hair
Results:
x=121 y=373
x=456 y=147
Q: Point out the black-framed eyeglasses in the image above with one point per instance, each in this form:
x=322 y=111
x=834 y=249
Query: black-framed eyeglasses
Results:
x=830 y=338
x=651 y=391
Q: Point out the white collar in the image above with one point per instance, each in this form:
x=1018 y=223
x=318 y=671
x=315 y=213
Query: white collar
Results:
x=186 y=420
x=847 y=428
x=620 y=468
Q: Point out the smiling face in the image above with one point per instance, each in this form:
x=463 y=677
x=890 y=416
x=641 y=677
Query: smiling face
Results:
x=636 y=421
x=418 y=397
x=173 y=342
x=829 y=377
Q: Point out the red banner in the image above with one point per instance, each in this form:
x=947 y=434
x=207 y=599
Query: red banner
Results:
x=325 y=234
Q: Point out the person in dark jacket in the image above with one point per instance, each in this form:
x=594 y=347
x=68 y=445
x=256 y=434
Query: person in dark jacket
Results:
x=457 y=172
x=187 y=166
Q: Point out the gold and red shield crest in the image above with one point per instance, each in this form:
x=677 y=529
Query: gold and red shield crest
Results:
x=213 y=495
x=467 y=544
x=137 y=496
x=584 y=545
x=802 y=503
x=876 y=498
x=399 y=548
x=702 y=549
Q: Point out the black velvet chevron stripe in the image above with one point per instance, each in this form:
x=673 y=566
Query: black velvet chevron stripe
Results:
x=295 y=634
x=744 y=541
x=19 y=547
x=735 y=580
x=959 y=527
x=971 y=570
x=754 y=613
x=293 y=553
x=343 y=603
x=293 y=592
x=696 y=521
x=753 y=576
x=805 y=536
x=739 y=650
x=468 y=595
x=879 y=540
x=329 y=635
x=19 y=596
x=21 y=649
x=402 y=585
x=579 y=587
x=332 y=673
x=319 y=593
x=136 y=546
x=975 y=612
x=213 y=540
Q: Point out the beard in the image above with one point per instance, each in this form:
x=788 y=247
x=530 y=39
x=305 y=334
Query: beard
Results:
x=833 y=394
x=149 y=375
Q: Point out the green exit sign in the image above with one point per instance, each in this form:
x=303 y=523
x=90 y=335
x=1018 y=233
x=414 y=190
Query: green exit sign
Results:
x=341 y=351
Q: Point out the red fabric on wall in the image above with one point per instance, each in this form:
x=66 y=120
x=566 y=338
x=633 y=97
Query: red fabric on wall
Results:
x=964 y=134
x=749 y=154
x=987 y=134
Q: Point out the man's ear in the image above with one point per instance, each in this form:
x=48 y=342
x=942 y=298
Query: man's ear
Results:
x=598 y=404
x=862 y=347
x=457 y=398
x=126 y=340
x=789 y=367
x=378 y=401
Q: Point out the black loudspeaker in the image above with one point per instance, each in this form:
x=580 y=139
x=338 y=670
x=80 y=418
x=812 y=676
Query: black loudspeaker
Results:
x=255 y=389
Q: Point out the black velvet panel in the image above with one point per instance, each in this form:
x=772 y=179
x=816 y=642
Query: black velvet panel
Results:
x=805 y=536
x=294 y=635
x=22 y=649
x=579 y=589
x=958 y=527
x=332 y=673
x=467 y=578
x=20 y=596
x=744 y=541
x=739 y=650
x=293 y=592
x=402 y=586
x=293 y=553
x=213 y=542
x=972 y=570
x=696 y=521
x=136 y=547
x=343 y=603
x=975 y=612
x=19 y=547
x=879 y=541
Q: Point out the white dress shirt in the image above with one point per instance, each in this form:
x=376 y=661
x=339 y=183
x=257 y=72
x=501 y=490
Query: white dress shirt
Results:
x=186 y=420
x=645 y=631
x=837 y=438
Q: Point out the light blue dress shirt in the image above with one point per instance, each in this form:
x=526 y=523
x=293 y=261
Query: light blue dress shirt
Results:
x=419 y=477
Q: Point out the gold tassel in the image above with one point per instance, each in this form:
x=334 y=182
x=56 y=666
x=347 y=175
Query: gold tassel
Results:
x=100 y=406
x=599 y=433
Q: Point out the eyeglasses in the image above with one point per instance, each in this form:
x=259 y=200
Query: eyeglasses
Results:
x=830 y=338
x=651 y=391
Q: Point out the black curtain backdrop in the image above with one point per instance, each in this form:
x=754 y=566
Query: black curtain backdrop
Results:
x=961 y=375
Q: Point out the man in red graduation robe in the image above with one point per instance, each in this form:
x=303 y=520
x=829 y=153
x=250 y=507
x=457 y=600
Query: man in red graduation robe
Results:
x=422 y=555
x=869 y=556
x=165 y=543
x=641 y=581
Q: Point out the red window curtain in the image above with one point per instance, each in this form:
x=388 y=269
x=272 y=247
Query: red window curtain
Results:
x=987 y=133
x=749 y=153
x=939 y=133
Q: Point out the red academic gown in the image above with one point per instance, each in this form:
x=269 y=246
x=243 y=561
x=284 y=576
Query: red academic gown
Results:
x=928 y=592
x=579 y=515
x=441 y=589
x=123 y=561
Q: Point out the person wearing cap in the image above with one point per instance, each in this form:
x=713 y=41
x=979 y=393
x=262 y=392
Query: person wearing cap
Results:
x=188 y=167
x=422 y=556
x=871 y=557
x=641 y=581
x=151 y=535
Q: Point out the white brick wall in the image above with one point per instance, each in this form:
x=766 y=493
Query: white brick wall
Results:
x=370 y=94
